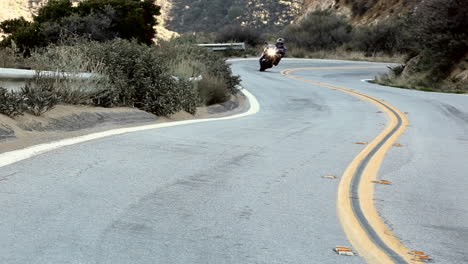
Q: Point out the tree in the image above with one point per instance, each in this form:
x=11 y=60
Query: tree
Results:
x=441 y=30
x=99 y=20
x=12 y=26
x=54 y=10
x=133 y=18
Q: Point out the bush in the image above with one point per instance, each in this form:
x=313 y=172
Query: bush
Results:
x=237 y=33
x=138 y=78
x=9 y=59
x=40 y=96
x=212 y=90
x=202 y=62
x=391 y=37
x=11 y=103
x=320 y=30
x=95 y=26
x=441 y=42
x=154 y=79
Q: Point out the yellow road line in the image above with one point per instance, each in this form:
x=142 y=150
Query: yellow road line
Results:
x=337 y=68
x=359 y=218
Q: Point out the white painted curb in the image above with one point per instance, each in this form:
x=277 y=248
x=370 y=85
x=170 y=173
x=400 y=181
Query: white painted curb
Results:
x=11 y=157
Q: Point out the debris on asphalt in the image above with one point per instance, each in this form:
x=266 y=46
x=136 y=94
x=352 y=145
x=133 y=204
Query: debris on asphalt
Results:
x=420 y=256
x=397 y=145
x=329 y=176
x=383 y=182
x=343 y=251
x=361 y=142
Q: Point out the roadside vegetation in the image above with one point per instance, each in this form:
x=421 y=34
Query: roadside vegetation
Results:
x=438 y=49
x=127 y=68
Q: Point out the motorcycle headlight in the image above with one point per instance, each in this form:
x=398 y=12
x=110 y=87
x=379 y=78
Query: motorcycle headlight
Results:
x=271 y=52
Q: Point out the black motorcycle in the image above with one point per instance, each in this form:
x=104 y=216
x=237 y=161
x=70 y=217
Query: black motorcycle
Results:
x=270 y=56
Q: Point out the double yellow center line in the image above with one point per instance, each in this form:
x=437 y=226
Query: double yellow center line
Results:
x=358 y=216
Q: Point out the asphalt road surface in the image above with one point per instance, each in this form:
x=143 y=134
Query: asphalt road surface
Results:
x=247 y=190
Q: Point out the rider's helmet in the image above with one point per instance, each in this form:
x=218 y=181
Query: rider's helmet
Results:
x=280 y=40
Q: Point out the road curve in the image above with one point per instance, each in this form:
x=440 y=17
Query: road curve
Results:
x=247 y=190
x=355 y=202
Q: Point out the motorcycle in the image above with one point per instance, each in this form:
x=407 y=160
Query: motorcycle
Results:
x=270 y=56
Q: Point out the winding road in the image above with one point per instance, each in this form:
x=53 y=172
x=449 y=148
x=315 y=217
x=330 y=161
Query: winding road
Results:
x=253 y=189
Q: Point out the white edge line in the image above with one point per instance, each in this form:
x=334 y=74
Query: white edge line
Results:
x=14 y=156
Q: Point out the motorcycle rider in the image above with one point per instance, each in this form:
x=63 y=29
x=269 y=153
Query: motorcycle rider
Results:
x=281 y=50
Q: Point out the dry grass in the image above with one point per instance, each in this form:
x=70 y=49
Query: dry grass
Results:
x=9 y=59
x=420 y=82
x=186 y=68
x=341 y=54
x=212 y=90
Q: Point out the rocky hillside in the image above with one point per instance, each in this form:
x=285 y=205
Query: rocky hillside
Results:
x=362 y=11
x=213 y=15
x=16 y=8
x=210 y=15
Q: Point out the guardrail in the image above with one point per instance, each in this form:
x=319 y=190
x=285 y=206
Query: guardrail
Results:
x=13 y=79
x=9 y=73
x=223 y=46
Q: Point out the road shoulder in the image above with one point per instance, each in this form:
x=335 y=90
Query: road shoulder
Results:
x=67 y=121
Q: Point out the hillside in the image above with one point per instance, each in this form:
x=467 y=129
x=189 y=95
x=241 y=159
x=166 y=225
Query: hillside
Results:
x=362 y=11
x=213 y=15
x=16 y=8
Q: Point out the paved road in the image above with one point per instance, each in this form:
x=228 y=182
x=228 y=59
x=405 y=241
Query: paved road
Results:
x=247 y=190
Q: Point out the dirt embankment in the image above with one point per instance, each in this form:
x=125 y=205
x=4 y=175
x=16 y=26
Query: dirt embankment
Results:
x=66 y=121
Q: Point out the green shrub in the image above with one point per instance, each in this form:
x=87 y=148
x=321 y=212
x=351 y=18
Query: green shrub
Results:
x=205 y=62
x=11 y=103
x=440 y=42
x=139 y=78
x=320 y=30
x=164 y=99
x=391 y=37
x=40 y=96
x=152 y=78
x=237 y=33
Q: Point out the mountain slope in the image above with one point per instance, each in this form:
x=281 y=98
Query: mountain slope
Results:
x=362 y=11
x=213 y=15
